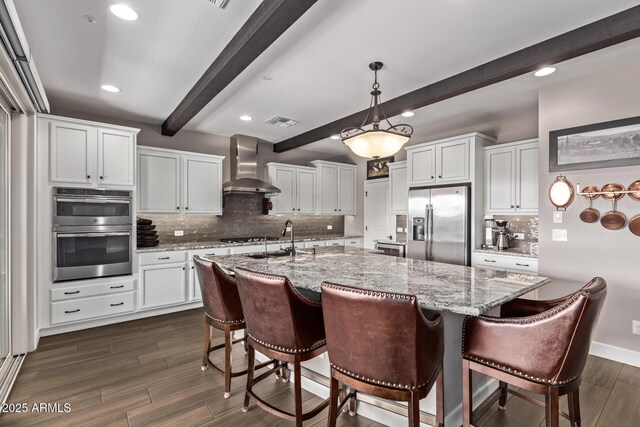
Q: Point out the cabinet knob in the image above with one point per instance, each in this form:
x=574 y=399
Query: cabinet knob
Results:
x=298 y=208
x=183 y=268
x=177 y=208
x=340 y=210
x=512 y=206
x=336 y=210
x=88 y=176
x=518 y=206
x=101 y=177
x=439 y=176
x=432 y=176
x=186 y=208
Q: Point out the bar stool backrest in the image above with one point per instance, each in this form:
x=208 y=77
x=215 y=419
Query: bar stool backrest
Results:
x=219 y=292
x=382 y=338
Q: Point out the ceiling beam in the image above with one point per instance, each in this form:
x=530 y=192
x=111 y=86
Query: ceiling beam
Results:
x=268 y=22
x=600 y=34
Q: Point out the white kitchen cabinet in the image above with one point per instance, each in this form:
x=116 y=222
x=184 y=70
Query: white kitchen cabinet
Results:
x=163 y=284
x=452 y=161
x=172 y=181
x=511 y=263
x=398 y=188
x=511 y=178
x=445 y=161
x=194 y=280
x=297 y=186
x=90 y=154
x=336 y=188
x=421 y=165
x=92 y=308
x=116 y=157
x=355 y=242
x=203 y=181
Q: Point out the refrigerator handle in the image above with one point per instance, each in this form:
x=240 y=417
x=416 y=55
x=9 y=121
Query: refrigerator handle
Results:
x=427 y=237
x=430 y=243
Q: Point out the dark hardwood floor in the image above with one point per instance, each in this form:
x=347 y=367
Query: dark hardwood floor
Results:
x=147 y=372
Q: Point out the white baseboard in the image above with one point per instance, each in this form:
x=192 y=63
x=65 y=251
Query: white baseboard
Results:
x=614 y=353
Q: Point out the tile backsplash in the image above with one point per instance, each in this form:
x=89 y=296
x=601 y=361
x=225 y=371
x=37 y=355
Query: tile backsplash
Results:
x=526 y=224
x=242 y=217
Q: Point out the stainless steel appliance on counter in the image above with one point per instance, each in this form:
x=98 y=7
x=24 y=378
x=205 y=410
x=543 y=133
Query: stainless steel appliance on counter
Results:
x=392 y=248
x=92 y=233
x=440 y=224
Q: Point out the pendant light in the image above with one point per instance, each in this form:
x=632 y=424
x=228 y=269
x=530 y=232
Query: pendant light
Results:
x=376 y=142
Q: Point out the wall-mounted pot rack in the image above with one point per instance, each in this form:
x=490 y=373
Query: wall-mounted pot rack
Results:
x=635 y=191
x=612 y=220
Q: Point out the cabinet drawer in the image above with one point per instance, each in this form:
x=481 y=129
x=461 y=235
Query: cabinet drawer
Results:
x=319 y=244
x=90 y=308
x=506 y=262
x=357 y=242
x=149 y=258
x=207 y=252
x=334 y=242
x=60 y=294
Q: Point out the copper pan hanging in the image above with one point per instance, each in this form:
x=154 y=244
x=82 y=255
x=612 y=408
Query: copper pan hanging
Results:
x=613 y=220
x=635 y=187
x=612 y=191
x=590 y=214
x=634 y=225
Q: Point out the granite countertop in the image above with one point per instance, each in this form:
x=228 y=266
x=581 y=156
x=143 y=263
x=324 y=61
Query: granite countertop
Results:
x=185 y=246
x=509 y=252
x=438 y=286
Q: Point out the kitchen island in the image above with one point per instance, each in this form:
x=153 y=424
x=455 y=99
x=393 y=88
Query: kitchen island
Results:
x=454 y=291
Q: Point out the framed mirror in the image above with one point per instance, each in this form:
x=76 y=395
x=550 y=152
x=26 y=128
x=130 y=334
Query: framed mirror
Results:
x=561 y=193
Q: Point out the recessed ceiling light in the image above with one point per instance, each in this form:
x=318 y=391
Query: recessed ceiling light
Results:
x=544 y=71
x=335 y=137
x=245 y=118
x=110 y=88
x=124 y=11
x=408 y=114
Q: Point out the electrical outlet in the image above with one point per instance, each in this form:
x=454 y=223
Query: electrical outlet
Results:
x=329 y=227
x=635 y=327
x=559 y=235
x=557 y=217
x=178 y=233
x=399 y=229
x=519 y=236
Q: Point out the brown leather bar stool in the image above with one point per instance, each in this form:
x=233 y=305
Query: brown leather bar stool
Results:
x=382 y=344
x=540 y=346
x=223 y=311
x=284 y=325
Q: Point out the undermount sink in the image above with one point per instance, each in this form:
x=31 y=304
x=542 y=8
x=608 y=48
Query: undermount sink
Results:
x=263 y=255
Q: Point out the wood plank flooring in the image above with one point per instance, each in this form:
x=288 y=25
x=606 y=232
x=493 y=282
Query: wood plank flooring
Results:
x=147 y=372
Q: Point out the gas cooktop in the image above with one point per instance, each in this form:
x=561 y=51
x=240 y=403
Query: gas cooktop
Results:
x=248 y=239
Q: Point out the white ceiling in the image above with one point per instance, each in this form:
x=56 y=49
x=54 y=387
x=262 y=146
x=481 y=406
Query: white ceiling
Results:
x=318 y=67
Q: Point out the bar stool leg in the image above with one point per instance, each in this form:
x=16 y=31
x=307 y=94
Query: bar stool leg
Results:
x=227 y=361
x=352 y=402
x=502 y=402
x=574 y=408
x=334 y=391
x=440 y=399
x=552 y=408
x=297 y=386
x=414 y=410
x=207 y=346
x=467 y=394
x=250 y=367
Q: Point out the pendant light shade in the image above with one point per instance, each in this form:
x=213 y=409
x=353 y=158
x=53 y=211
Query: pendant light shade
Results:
x=376 y=142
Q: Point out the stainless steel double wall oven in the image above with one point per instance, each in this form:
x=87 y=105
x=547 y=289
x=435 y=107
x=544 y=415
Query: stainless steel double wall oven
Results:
x=92 y=233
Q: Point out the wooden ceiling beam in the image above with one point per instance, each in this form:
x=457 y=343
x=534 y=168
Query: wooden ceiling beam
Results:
x=268 y=22
x=598 y=35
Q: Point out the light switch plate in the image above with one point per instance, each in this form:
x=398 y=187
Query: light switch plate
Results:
x=178 y=233
x=399 y=229
x=557 y=217
x=559 y=234
x=329 y=227
x=519 y=236
x=635 y=327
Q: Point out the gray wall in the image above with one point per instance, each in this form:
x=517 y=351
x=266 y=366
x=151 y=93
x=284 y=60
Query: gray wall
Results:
x=198 y=142
x=592 y=250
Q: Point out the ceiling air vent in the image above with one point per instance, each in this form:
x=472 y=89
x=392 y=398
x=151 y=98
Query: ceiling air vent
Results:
x=281 y=121
x=220 y=3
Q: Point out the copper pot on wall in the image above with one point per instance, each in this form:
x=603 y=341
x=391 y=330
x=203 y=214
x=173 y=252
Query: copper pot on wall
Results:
x=590 y=214
x=613 y=220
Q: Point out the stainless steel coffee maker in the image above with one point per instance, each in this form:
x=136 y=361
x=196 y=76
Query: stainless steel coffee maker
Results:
x=503 y=239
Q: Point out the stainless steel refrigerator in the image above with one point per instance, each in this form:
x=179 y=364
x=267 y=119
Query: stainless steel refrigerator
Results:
x=439 y=224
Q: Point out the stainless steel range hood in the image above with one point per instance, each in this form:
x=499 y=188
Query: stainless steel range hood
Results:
x=244 y=168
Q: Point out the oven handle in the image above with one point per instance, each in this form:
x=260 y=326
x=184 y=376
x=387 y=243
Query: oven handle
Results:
x=63 y=235
x=103 y=201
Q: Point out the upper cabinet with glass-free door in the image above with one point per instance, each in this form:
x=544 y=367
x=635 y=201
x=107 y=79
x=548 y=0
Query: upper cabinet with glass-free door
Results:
x=90 y=154
x=336 y=188
x=171 y=181
x=297 y=186
x=511 y=178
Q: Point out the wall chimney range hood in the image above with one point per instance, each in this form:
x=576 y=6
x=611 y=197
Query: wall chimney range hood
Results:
x=244 y=168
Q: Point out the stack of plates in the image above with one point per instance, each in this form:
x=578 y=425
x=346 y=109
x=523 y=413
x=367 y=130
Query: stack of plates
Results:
x=147 y=234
